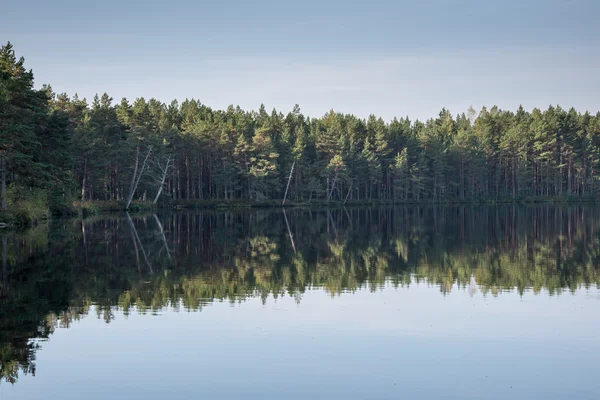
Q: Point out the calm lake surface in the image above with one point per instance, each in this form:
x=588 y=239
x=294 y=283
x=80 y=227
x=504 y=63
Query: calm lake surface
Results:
x=377 y=303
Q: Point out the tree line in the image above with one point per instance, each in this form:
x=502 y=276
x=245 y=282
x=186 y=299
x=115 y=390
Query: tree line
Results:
x=65 y=149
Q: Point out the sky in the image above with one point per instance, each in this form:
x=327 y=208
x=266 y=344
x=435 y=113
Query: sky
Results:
x=383 y=57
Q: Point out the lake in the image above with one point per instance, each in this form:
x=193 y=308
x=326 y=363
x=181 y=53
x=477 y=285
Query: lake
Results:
x=359 y=303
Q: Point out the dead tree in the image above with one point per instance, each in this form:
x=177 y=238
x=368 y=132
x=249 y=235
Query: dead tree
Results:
x=135 y=178
x=164 y=171
x=288 y=183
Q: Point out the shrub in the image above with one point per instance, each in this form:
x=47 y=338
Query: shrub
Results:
x=27 y=205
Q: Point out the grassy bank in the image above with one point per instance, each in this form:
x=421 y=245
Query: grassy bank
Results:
x=35 y=210
x=219 y=204
x=98 y=207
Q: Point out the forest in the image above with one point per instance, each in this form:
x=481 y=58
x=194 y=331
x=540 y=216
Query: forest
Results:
x=60 y=152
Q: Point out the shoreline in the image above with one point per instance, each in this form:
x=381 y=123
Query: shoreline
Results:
x=10 y=220
x=226 y=205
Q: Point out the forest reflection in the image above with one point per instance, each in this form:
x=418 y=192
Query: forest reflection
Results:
x=53 y=274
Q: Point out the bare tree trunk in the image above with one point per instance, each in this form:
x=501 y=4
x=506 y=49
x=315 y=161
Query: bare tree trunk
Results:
x=296 y=185
x=164 y=178
x=3 y=185
x=348 y=194
x=288 y=183
x=569 y=175
x=83 y=183
x=332 y=187
x=133 y=176
x=116 y=188
x=210 y=179
x=199 y=180
x=136 y=180
x=248 y=176
x=187 y=171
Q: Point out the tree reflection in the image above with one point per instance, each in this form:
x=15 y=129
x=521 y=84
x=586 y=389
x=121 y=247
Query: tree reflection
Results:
x=53 y=274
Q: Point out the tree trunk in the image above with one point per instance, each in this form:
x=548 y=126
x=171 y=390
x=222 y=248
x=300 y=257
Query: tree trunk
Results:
x=569 y=175
x=462 y=176
x=288 y=183
x=133 y=176
x=179 y=190
x=3 y=185
x=332 y=188
x=348 y=194
x=116 y=189
x=514 y=179
x=187 y=171
x=83 y=182
x=296 y=184
x=136 y=179
x=173 y=181
x=199 y=179
x=584 y=174
x=248 y=176
x=164 y=178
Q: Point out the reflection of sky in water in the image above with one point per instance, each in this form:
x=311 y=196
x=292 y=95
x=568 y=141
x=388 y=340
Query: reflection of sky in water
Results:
x=393 y=343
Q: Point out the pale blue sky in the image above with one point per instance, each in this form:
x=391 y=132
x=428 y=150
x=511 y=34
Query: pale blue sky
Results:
x=391 y=58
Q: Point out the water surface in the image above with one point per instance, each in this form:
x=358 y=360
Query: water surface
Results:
x=377 y=303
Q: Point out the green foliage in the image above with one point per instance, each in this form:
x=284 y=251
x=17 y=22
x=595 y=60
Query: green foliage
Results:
x=96 y=152
x=35 y=144
x=28 y=205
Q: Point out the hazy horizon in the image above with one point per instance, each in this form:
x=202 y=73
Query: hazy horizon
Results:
x=387 y=58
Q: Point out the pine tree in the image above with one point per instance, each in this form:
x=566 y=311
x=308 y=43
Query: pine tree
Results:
x=263 y=164
x=24 y=125
x=399 y=173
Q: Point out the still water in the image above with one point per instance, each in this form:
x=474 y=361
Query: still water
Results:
x=377 y=303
